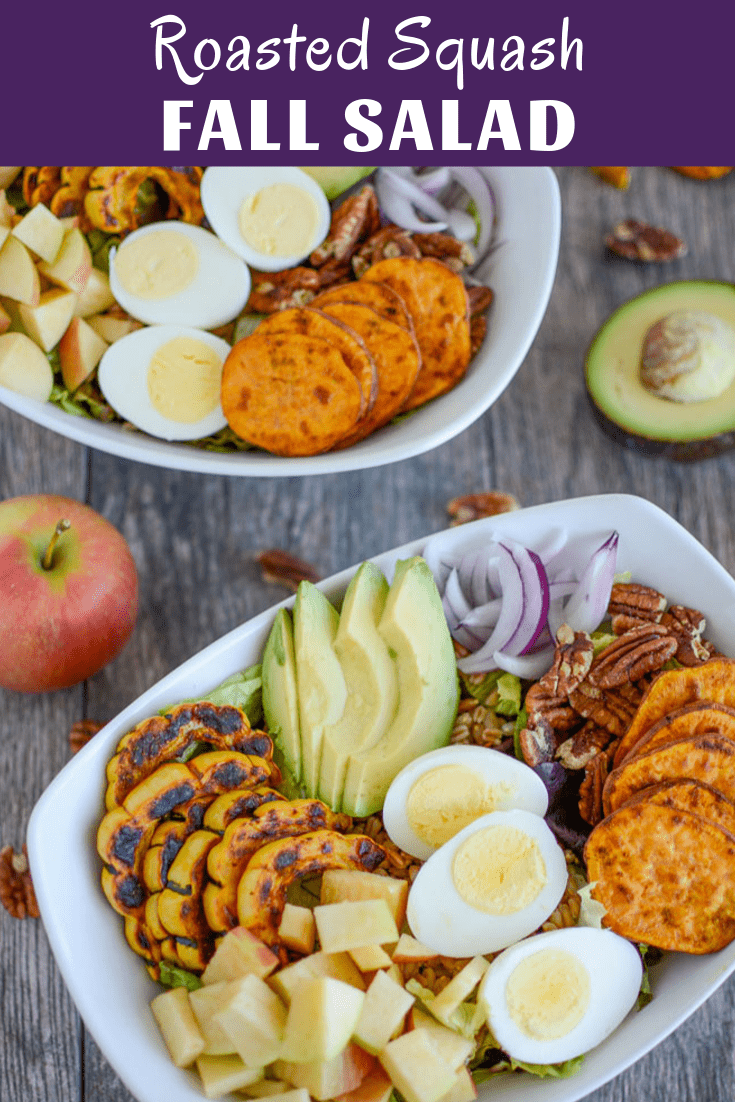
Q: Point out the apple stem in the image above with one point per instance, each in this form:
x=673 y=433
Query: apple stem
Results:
x=61 y=527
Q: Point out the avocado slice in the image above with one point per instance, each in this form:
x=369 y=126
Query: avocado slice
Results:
x=333 y=181
x=633 y=415
x=322 y=691
x=414 y=628
x=280 y=701
x=370 y=676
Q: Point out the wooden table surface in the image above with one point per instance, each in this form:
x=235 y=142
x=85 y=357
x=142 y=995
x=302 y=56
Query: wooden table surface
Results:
x=194 y=539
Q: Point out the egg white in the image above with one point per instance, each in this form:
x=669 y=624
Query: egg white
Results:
x=441 y=919
x=123 y=378
x=223 y=191
x=216 y=295
x=614 y=969
x=519 y=787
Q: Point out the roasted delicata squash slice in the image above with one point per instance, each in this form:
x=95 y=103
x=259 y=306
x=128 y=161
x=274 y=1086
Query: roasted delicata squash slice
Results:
x=229 y=858
x=165 y=737
x=713 y=681
x=180 y=903
x=113 y=203
x=261 y=893
x=40 y=183
x=141 y=940
x=237 y=805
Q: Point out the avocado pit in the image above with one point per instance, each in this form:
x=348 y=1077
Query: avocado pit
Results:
x=688 y=356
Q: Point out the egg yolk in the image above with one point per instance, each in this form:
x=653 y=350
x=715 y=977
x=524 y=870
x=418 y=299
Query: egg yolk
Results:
x=547 y=994
x=444 y=800
x=184 y=378
x=157 y=265
x=279 y=220
x=499 y=870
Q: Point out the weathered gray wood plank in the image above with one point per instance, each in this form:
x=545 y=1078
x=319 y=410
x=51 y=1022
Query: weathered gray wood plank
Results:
x=194 y=539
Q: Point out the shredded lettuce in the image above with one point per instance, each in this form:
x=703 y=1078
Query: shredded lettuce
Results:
x=550 y=1071
x=509 y=695
x=481 y=690
x=591 y=911
x=521 y=722
x=241 y=690
x=173 y=976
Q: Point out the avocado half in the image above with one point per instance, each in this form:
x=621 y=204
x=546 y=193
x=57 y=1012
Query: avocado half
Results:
x=632 y=415
x=333 y=181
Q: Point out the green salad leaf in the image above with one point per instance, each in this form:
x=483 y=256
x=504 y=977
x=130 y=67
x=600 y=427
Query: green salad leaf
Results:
x=173 y=976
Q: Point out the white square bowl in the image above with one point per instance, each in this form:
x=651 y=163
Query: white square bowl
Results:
x=110 y=985
x=521 y=272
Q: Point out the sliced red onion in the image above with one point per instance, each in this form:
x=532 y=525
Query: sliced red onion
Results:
x=455 y=598
x=398 y=197
x=432 y=181
x=481 y=193
x=534 y=601
x=527 y=666
x=462 y=224
x=587 y=606
x=482 y=620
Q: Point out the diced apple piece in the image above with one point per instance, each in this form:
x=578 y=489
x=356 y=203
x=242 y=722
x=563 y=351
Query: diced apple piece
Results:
x=385 y=1006
x=409 y=950
x=353 y=923
x=464 y=1089
x=72 y=267
x=298 y=929
x=48 y=321
x=254 y=1019
x=375 y=1087
x=80 y=350
x=321 y=1019
x=369 y=958
x=453 y=1048
x=458 y=988
x=206 y=1002
x=328 y=1078
x=112 y=329
x=41 y=232
x=239 y=953
x=339 y=885
x=4 y=234
x=178 y=1026
x=395 y=974
x=338 y=966
x=415 y=1068
x=296 y=1094
x=5 y=320
x=19 y=279
x=24 y=368
x=266 y=1088
x=7 y=175
x=222 y=1074
x=96 y=295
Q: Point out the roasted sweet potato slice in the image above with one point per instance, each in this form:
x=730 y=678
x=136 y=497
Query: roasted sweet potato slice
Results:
x=437 y=302
x=261 y=894
x=381 y=298
x=709 y=759
x=665 y=877
x=697 y=799
x=354 y=352
x=704 y=718
x=229 y=858
x=396 y=356
x=164 y=737
x=289 y=394
x=713 y=681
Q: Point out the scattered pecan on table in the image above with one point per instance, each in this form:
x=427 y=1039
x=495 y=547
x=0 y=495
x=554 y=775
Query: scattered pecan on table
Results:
x=16 y=887
x=636 y=240
x=474 y=506
x=81 y=732
x=282 y=568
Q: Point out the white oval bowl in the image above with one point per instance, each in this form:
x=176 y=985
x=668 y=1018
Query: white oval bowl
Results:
x=86 y=936
x=520 y=271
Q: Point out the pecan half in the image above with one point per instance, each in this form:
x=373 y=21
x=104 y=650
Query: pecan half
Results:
x=687 y=625
x=457 y=254
x=539 y=742
x=590 y=790
x=635 y=653
x=485 y=504
x=478 y=332
x=636 y=240
x=631 y=603
x=578 y=750
x=572 y=661
x=479 y=297
x=353 y=221
x=386 y=244
x=542 y=703
x=16 y=887
x=612 y=709
x=273 y=291
x=82 y=731
x=282 y=568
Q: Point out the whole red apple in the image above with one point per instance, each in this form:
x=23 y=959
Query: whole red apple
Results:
x=68 y=593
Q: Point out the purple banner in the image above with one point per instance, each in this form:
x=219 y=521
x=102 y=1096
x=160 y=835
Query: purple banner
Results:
x=379 y=83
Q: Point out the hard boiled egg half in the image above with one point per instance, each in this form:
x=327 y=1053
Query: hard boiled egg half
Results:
x=492 y=884
x=438 y=794
x=166 y=381
x=271 y=217
x=559 y=994
x=173 y=273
